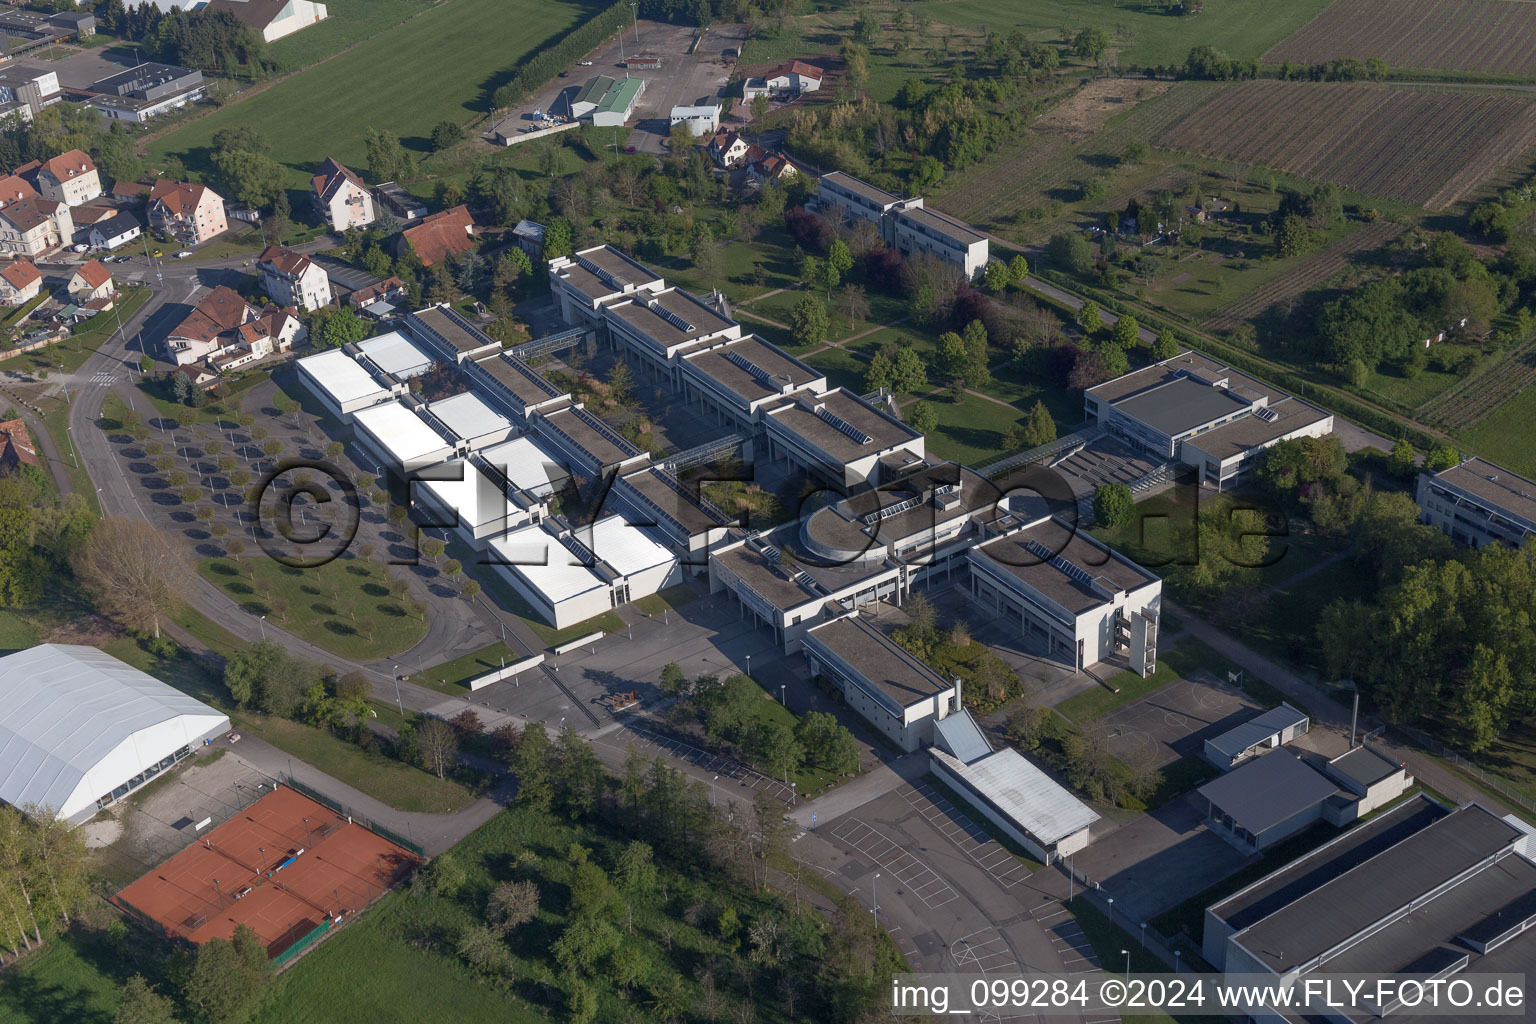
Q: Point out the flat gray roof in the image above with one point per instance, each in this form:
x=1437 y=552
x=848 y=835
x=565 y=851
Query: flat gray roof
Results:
x=1329 y=861
x=1243 y=434
x=674 y=498
x=1256 y=730
x=768 y=580
x=880 y=661
x=767 y=371
x=1367 y=893
x=1149 y=376
x=454 y=329
x=612 y=262
x=701 y=321
x=526 y=384
x=1364 y=766
x=1268 y=790
x=884 y=431
x=1073 y=594
x=1179 y=405
x=594 y=436
x=861 y=188
x=1510 y=491
x=943 y=225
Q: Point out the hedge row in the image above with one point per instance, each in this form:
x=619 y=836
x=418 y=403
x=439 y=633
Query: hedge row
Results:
x=1329 y=398
x=548 y=63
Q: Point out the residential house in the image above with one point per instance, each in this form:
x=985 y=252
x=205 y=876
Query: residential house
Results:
x=91 y=281
x=701 y=118
x=274 y=19
x=201 y=377
x=397 y=200
x=20 y=282
x=212 y=328
x=129 y=191
x=13 y=188
x=341 y=197
x=765 y=166
x=380 y=298
x=786 y=82
x=115 y=232
x=70 y=178
x=727 y=149
x=33 y=226
x=293 y=279
x=440 y=235
x=275 y=330
x=16 y=447
x=191 y=213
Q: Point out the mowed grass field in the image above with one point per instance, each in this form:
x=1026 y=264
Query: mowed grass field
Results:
x=1493 y=36
x=443 y=65
x=1423 y=146
x=349 y=22
x=1146 y=33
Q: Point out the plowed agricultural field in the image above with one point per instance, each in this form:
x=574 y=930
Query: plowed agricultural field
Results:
x=1494 y=36
x=1418 y=146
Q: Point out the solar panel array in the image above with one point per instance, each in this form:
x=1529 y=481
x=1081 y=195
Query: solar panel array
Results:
x=1072 y=570
x=843 y=425
x=672 y=318
x=1267 y=414
x=611 y=280
x=893 y=510
x=761 y=375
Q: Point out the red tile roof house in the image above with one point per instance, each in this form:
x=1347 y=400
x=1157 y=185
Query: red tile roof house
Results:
x=341 y=197
x=20 y=282
x=440 y=235
x=784 y=82
x=91 y=281
x=389 y=290
x=70 y=178
x=191 y=213
x=728 y=149
x=210 y=329
x=275 y=330
x=16 y=447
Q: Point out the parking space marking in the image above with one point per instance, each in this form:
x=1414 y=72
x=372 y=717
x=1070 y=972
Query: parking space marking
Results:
x=987 y=952
x=921 y=880
x=972 y=839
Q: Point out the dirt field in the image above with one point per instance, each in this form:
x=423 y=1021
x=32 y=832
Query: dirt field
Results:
x=1088 y=109
x=1419 y=146
x=283 y=866
x=1496 y=36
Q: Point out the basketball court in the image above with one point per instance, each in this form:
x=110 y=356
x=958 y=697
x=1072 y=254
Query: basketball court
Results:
x=284 y=866
x=1175 y=720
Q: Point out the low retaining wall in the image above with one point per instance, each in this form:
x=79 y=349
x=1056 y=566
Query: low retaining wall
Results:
x=541 y=133
x=505 y=673
x=590 y=638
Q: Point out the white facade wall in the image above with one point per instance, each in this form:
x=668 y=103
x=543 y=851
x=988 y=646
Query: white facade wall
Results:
x=350 y=207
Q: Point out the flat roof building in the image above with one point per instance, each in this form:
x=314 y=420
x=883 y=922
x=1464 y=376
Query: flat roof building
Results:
x=469 y=418
x=685 y=516
x=1266 y=800
x=448 y=335
x=837 y=436
x=737 y=377
x=400 y=438
x=475 y=499
x=584 y=282
x=527 y=465
x=519 y=388
x=80 y=729
x=342 y=384
x=396 y=355
x=916 y=229
x=1011 y=792
x=1478 y=503
x=1071 y=595
x=586 y=442
x=1416 y=890
x=656 y=326
x=1194 y=410
x=896 y=693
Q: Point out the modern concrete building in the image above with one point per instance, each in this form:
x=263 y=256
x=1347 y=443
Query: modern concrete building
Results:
x=1073 y=596
x=701 y=118
x=343 y=384
x=904 y=224
x=587 y=281
x=146 y=91
x=394 y=355
x=896 y=693
x=1418 y=890
x=657 y=326
x=80 y=730
x=1477 y=503
x=736 y=379
x=400 y=438
x=1193 y=410
x=448 y=336
x=837 y=437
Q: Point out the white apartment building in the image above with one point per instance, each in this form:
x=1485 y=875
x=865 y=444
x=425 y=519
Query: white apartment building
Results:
x=293 y=279
x=1477 y=503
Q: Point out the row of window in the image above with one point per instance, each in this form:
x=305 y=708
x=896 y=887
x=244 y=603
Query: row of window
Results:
x=144 y=776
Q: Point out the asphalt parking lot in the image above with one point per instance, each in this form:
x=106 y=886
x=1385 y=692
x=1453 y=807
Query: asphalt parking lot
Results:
x=1176 y=720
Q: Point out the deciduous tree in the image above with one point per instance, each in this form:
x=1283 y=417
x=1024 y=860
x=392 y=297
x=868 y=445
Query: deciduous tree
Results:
x=134 y=573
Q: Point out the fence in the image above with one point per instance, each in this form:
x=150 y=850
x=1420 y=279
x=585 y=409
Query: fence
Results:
x=407 y=842
x=303 y=943
x=1440 y=750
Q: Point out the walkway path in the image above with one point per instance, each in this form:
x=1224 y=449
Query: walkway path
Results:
x=1309 y=571
x=1324 y=710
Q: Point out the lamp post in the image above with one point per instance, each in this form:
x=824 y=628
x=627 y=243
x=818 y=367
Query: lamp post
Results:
x=1127 y=962
x=1143 y=935
x=712 y=790
x=794 y=801
x=263 y=624
x=1176 y=954
x=398 y=704
x=874 y=888
x=634 y=5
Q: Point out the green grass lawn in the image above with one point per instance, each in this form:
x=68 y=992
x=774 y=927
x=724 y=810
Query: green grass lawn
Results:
x=669 y=599
x=970 y=430
x=349 y=22
x=808 y=780
x=504 y=595
x=56 y=420
x=179 y=669
x=1505 y=437
x=74 y=978
x=330 y=606
x=399 y=785
x=452 y=677
x=66 y=356
x=15 y=632
x=843 y=369
x=471 y=46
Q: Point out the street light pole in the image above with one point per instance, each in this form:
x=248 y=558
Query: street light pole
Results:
x=874 y=888
x=1127 y=962
x=263 y=623
x=397 y=692
x=634 y=6
x=712 y=790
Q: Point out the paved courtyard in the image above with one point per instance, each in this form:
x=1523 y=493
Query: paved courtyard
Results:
x=1176 y=720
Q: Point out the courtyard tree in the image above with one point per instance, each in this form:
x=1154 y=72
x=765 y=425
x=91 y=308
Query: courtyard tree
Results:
x=1113 y=506
x=923 y=417
x=1039 y=428
x=808 y=321
x=133 y=572
x=437 y=746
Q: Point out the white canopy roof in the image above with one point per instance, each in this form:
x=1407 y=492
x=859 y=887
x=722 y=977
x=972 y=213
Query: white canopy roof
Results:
x=341 y=377
x=404 y=436
x=76 y=723
x=527 y=465
x=1024 y=793
x=546 y=564
x=396 y=355
x=468 y=416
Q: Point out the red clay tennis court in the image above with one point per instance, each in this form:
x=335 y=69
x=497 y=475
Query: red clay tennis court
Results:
x=285 y=866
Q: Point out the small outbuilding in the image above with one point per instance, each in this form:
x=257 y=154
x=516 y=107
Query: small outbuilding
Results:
x=1273 y=728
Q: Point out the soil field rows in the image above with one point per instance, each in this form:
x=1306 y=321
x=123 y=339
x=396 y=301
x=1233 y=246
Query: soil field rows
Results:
x=1494 y=36
x=1313 y=271
x=1016 y=177
x=1418 y=146
x=1477 y=398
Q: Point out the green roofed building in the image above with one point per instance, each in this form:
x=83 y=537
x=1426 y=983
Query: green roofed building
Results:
x=616 y=107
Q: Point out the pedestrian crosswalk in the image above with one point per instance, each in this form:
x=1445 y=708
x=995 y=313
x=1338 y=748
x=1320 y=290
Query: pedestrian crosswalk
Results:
x=104 y=378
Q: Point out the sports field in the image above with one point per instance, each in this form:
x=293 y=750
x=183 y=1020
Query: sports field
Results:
x=458 y=54
x=1423 y=146
x=283 y=866
x=1494 y=36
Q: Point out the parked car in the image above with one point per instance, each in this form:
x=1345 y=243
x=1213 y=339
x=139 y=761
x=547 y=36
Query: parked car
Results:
x=565 y=74
x=585 y=63
x=158 y=254
x=629 y=149
x=184 y=254
x=82 y=247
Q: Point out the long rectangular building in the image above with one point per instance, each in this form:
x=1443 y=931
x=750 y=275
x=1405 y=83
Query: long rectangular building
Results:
x=906 y=225
x=1478 y=503
x=585 y=282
